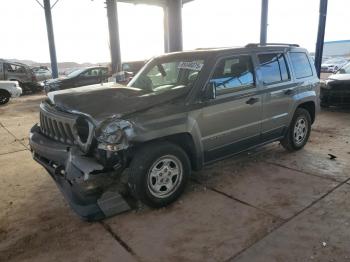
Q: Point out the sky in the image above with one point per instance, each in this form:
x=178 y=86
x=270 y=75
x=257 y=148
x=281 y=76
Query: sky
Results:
x=81 y=30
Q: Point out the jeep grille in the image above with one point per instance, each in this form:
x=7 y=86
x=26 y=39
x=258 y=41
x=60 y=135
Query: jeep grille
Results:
x=57 y=125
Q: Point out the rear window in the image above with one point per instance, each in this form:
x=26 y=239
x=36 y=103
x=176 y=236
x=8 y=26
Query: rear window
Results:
x=301 y=64
x=273 y=68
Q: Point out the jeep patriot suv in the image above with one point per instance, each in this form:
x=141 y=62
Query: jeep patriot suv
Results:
x=180 y=112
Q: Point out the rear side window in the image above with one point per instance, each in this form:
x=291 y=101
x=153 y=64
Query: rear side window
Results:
x=15 y=68
x=233 y=74
x=301 y=64
x=273 y=68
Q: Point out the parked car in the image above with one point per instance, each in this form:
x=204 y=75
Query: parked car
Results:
x=181 y=112
x=333 y=64
x=79 y=77
x=42 y=73
x=9 y=89
x=21 y=73
x=336 y=89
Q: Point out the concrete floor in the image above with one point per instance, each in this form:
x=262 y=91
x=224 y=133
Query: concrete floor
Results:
x=265 y=205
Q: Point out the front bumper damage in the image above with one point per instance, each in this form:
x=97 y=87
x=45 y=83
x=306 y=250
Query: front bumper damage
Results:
x=82 y=180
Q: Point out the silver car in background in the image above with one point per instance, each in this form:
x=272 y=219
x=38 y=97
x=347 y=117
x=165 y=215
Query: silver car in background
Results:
x=21 y=73
x=333 y=65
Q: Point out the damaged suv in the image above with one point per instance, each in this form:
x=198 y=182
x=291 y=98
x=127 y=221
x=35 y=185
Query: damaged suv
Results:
x=180 y=112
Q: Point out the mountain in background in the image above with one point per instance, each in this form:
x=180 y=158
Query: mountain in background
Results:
x=62 y=66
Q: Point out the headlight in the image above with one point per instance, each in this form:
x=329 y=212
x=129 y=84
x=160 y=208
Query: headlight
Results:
x=112 y=134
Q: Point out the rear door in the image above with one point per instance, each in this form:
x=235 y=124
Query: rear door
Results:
x=277 y=93
x=2 y=71
x=16 y=72
x=232 y=121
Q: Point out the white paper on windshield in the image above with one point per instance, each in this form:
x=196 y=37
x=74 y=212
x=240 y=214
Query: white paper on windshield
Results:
x=194 y=65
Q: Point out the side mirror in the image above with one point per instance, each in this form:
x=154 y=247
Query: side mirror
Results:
x=341 y=71
x=210 y=92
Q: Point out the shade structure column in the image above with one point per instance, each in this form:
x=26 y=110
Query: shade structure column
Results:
x=114 y=40
x=263 y=22
x=320 y=35
x=51 y=39
x=173 y=26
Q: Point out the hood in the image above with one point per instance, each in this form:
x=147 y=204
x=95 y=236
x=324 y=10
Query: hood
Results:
x=56 y=80
x=109 y=100
x=340 y=77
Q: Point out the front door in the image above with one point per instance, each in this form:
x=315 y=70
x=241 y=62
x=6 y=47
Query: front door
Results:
x=89 y=77
x=232 y=121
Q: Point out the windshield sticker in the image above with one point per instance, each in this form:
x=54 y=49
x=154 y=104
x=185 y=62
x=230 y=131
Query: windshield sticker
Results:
x=196 y=66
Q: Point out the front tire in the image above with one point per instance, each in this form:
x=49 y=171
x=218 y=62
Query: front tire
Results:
x=298 y=132
x=4 y=97
x=159 y=173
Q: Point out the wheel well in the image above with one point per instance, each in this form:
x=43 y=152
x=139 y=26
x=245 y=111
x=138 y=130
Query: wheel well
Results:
x=5 y=92
x=185 y=141
x=19 y=82
x=310 y=107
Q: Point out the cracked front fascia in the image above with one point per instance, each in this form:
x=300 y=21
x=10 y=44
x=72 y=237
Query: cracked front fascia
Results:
x=82 y=163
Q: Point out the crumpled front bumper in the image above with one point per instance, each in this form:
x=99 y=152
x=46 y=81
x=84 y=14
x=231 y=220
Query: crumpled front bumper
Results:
x=81 y=179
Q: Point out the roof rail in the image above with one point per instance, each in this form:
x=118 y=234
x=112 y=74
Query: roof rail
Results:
x=270 y=44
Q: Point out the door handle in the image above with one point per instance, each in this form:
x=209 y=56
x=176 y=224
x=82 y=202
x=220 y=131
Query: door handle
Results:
x=252 y=100
x=289 y=92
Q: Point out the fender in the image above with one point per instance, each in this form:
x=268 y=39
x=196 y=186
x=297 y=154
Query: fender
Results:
x=178 y=124
x=301 y=98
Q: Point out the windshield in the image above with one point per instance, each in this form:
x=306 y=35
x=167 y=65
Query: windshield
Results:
x=159 y=77
x=345 y=69
x=75 y=73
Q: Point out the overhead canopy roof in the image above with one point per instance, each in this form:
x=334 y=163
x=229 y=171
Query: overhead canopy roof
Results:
x=151 y=2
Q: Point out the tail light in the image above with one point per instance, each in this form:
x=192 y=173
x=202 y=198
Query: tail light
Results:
x=34 y=78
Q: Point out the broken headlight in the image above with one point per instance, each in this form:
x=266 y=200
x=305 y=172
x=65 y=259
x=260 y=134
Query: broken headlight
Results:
x=112 y=135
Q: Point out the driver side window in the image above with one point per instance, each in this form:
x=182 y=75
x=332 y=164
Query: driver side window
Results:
x=233 y=74
x=91 y=72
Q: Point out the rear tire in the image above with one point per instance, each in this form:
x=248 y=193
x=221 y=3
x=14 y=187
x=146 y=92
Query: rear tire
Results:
x=4 y=97
x=298 y=132
x=159 y=173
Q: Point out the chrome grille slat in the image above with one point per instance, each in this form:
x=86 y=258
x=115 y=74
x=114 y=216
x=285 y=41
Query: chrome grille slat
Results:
x=69 y=132
x=57 y=130
x=51 y=129
x=62 y=131
x=57 y=125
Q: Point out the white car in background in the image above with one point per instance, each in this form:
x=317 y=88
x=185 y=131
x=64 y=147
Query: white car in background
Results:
x=9 y=89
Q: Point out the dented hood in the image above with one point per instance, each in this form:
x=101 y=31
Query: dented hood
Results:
x=109 y=100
